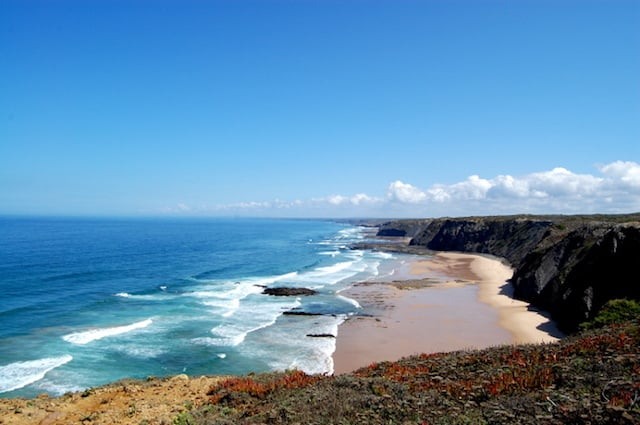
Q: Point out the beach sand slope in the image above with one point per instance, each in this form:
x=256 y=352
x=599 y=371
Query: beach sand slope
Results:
x=467 y=305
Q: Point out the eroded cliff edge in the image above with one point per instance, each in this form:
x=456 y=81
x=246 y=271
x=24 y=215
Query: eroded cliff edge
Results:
x=569 y=266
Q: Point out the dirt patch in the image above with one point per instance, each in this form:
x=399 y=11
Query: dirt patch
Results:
x=154 y=401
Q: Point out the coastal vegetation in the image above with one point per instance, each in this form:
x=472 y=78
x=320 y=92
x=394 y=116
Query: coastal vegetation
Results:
x=590 y=378
x=614 y=311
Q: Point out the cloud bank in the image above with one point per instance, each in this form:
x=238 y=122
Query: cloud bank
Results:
x=615 y=188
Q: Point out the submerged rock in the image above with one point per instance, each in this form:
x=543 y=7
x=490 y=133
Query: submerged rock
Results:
x=321 y=335
x=303 y=313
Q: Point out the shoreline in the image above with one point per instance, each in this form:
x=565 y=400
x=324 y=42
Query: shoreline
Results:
x=447 y=302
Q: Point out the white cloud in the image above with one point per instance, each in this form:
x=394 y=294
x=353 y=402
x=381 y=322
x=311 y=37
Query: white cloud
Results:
x=559 y=190
x=562 y=182
x=508 y=186
x=337 y=199
x=404 y=192
x=362 y=198
x=556 y=183
x=625 y=172
x=473 y=187
x=358 y=199
x=555 y=190
x=438 y=193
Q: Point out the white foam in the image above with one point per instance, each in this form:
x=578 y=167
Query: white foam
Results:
x=20 y=374
x=331 y=275
x=221 y=355
x=351 y=301
x=85 y=337
x=329 y=253
x=286 y=276
x=383 y=255
x=139 y=351
x=229 y=306
x=225 y=297
x=350 y=233
x=148 y=297
x=225 y=303
x=234 y=334
x=291 y=348
x=56 y=389
x=228 y=336
x=204 y=341
x=249 y=318
x=327 y=270
x=374 y=268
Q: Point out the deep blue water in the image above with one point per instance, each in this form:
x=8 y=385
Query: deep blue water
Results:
x=85 y=302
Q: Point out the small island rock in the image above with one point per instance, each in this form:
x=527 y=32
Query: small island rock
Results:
x=285 y=292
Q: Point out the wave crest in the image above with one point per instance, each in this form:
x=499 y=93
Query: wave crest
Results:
x=20 y=374
x=82 y=338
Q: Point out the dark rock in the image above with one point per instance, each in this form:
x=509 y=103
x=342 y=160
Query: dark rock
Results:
x=301 y=313
x=392 y=232
x=321 y=335
x=286 y=292
x=510 y=239
x=401 y=228
x=575 y=277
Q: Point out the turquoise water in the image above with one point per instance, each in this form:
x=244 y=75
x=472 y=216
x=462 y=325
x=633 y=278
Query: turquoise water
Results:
x=87 y=302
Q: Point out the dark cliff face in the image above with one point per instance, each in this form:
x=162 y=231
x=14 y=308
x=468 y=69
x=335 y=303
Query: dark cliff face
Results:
x=402 y=228
x=568 y=265
x=575 y=277
x=510 y=239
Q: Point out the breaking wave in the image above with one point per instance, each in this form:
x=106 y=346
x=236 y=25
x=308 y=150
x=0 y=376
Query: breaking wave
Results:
x=20 y=374
x=82 y=338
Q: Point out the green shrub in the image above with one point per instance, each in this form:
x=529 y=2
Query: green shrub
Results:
x=184 y=418
x=614 y=311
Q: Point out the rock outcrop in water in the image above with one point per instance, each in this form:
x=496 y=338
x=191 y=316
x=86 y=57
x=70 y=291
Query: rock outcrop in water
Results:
x=288 y=292
x=568 y=265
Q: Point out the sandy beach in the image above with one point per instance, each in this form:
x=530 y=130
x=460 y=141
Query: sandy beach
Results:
x=447 y=302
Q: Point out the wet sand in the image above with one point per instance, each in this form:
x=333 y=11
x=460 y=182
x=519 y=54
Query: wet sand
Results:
x=446 y=302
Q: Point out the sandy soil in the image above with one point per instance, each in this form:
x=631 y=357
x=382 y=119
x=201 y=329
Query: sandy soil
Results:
x=525 y=323
x=456 y=301
x=152 y=402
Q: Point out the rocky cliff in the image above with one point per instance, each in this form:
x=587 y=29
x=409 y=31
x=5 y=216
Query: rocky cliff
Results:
x=568 y=265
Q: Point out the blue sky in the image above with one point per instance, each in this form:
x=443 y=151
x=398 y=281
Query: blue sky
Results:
x=319 y=108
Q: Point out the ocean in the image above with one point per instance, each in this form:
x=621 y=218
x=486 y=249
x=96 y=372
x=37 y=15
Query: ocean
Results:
x=85 y=302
